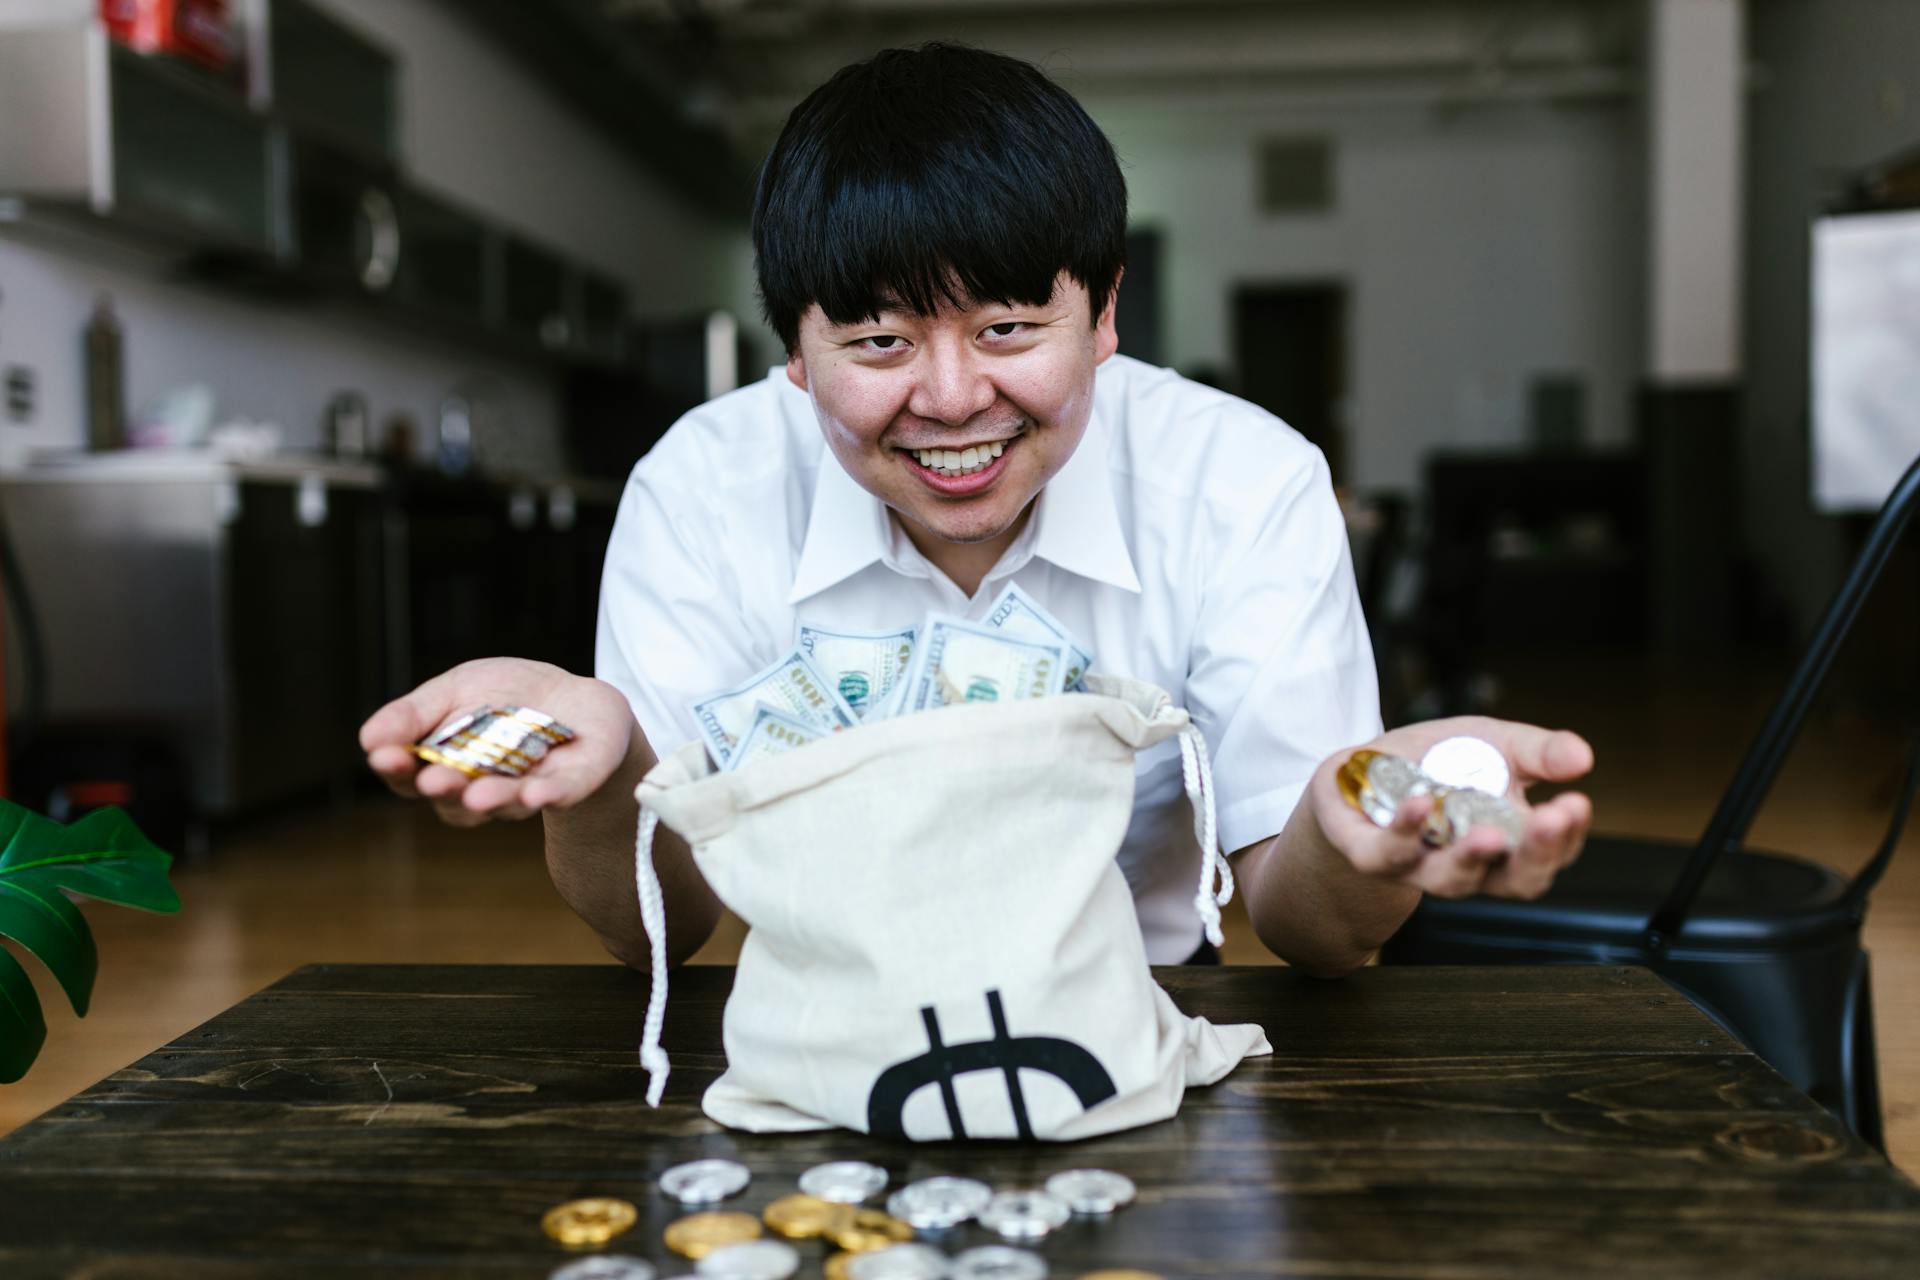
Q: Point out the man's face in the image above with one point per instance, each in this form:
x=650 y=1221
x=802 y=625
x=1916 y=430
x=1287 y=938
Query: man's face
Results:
x=1008 y=389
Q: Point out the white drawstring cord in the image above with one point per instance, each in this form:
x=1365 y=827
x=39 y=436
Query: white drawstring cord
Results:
x=1213 y=866
x=653 y=915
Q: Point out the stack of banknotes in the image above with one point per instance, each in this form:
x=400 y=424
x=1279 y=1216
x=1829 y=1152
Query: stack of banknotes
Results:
x=835 y=680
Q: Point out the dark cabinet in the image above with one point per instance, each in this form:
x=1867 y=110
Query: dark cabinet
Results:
x=535 y=295
x=492 y=569
x=332 y=82
x=188 y=158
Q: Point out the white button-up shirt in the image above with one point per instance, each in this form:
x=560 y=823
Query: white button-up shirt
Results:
x=1191 y=541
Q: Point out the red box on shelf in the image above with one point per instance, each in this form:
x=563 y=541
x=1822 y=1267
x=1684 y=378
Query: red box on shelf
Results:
x=198 y=30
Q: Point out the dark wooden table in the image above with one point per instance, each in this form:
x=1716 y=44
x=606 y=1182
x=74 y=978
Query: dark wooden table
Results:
x=1413 y=1123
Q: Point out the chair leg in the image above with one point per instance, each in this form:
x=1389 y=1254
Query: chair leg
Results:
x=1859 y=1060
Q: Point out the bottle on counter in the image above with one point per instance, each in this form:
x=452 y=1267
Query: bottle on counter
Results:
x=106 y=379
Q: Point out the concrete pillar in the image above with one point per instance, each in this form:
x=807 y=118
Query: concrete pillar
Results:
x=1696 y=135
x=1690 y=400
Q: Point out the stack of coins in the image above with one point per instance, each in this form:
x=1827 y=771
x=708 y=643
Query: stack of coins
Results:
x=501 y=740
x=1467 y=778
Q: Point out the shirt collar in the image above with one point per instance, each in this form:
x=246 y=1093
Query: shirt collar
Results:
x=1076 y=523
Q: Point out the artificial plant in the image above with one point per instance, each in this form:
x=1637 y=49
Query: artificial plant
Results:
x=104 y=856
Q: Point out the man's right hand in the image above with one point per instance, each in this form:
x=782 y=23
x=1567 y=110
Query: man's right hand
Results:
x=597 y=713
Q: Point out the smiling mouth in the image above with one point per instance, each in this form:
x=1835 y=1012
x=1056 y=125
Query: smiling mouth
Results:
x=953 y=463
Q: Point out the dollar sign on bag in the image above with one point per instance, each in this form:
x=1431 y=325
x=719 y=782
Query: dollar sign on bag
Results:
x=1071 y=1064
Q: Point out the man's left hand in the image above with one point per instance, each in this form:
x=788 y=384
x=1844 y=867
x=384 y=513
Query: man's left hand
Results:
x=1478 y=861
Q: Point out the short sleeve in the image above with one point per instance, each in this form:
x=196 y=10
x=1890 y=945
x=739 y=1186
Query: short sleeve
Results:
x=1281 y=672
x=670 y=623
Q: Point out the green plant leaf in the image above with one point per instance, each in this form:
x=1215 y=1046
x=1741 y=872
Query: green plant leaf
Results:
x=103 y=856
x=41 y=919
x=22 y=1028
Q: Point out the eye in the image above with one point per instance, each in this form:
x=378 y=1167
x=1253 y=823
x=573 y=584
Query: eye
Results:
x=1006 y=328
x=882 y=342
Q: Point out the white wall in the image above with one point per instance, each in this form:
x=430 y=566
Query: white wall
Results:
x=1479 y=247
x=475 y=127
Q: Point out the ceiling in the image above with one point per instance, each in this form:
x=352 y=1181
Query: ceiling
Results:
x=698 y=88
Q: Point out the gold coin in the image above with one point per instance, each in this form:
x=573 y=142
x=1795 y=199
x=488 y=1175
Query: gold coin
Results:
x=802 y=1217
x=864 y=1230
x=699 y=1234
x=1121 y=1275
x=1352 y=776
x=836 y=1268
x=588 y=1222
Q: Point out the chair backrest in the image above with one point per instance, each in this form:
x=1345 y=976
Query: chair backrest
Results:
x=1727 y=829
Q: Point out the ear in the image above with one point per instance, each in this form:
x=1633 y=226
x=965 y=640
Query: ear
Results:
x=1106 y=336
x=797 y=370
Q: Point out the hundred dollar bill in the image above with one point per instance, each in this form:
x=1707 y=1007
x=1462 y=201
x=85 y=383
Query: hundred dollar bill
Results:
x=1019 y=614
x=863 y=666
x=959 y=661
x=774 y=733
x=792 y=685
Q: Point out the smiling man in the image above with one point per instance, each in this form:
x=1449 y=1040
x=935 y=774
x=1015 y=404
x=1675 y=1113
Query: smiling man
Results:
x=940 y=241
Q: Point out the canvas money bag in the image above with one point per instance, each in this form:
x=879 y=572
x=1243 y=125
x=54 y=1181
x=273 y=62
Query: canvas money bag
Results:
x=941 y=943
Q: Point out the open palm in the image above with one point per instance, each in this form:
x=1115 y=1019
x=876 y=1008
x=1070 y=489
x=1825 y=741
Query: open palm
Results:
x=597 y=713
x=1478 y=861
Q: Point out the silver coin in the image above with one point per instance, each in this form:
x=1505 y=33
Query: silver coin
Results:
x=452 y=727
x=1092 y=1191
x=998 y=1262
x=751 y=1260
x=1468 y=809
x=844 y=1181
x=899 y=1262
x=1467 y=762
x=1024 y=1215
x=935 y=1204
x=705 y=1181
x=1390 y=780
x=607 y=1266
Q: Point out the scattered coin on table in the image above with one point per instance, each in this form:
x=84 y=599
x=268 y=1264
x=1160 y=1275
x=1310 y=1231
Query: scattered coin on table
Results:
x=844 y=1181
x=864 y=1230
x=937 y=1204
x=751 y=1260
x=705 y=1181
x=899 y=1262
x=1091 y=1192
x=699 y=1234
x=592 y=1221
x=1024 y=1215
x=607 y=1266
x=998 y=1262
x=801 y=1217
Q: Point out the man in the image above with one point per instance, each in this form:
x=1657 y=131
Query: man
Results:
x=939 y=238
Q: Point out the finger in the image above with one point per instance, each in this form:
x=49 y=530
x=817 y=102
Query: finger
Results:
x=1547 y=755
x=411 y=716
x=456 y=814
x=1457 y=871
x=395 y=766
x=437 y=782
x=1393 y=850
x=497 y=798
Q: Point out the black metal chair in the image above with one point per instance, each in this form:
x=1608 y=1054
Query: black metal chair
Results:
x=1766 y=943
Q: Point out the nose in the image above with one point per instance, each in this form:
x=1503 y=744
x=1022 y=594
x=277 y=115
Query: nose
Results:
x=952 y=387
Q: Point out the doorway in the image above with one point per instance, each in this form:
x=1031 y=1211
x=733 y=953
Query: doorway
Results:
x=1290 y=349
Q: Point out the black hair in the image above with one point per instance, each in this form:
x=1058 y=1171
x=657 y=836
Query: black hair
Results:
x=942 y=173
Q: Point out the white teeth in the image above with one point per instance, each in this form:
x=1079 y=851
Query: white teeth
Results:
x=962 y=462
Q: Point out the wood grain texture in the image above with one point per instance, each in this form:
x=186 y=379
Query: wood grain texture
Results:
x=1470 y=1123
